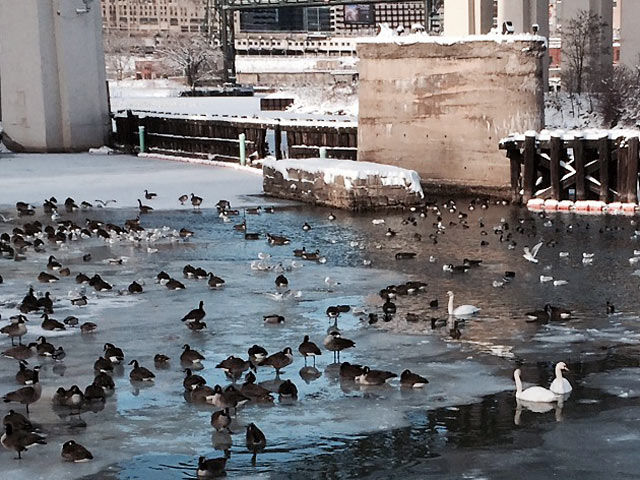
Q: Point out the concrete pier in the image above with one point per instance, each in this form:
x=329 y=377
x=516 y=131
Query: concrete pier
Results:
x=54 y=91
x=468 y=17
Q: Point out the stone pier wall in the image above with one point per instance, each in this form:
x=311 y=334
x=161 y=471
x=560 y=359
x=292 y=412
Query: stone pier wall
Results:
x=296 y=182
x=439 y=106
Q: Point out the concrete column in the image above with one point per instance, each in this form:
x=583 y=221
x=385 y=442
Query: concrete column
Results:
x=629 y=33
x=467 y=17
x=54 y=84
x=602 y=60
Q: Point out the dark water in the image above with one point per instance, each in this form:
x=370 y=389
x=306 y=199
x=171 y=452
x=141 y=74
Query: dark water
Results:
x=464 y=424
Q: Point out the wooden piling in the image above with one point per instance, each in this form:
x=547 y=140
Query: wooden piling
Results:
x=515 y=158
x=621 y=181
x=632 y=170
x=554 y=166
x=578 y=162
x=604 y=160
x=278 y=142
x=529 y=172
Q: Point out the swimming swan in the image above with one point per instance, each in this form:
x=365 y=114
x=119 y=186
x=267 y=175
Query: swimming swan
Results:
x=532 y=394
x=462 y=310
x=560 y=385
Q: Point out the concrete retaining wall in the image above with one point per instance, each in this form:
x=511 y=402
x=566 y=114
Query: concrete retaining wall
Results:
x=441 y=109
x=295 y=181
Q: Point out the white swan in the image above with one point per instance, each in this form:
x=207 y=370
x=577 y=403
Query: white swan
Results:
x=560 y=385
x=532 y=394
x=462 y=310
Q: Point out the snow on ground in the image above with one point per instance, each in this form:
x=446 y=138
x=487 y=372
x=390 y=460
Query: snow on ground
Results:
x=279 y=64
x=159 y=87
x=566 y=112
x=82 y=176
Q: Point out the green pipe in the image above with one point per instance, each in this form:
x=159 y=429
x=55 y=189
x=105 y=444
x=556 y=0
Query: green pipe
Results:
x=323 y=153
x=243 y=150
x=141 y=136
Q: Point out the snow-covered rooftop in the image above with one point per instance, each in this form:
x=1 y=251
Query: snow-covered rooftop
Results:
x=414 y=38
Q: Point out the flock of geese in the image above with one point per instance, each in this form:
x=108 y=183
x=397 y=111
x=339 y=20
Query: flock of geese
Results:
x=20 y=433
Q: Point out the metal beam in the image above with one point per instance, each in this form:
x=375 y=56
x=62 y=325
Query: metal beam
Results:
x=260 y=4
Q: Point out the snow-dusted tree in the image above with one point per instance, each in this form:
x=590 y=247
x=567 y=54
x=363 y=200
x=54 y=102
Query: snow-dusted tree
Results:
x=117 y=49
x=196 y=57
x=581 y=46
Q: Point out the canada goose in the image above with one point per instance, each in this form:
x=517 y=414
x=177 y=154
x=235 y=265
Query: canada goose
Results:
x=17 y=329
x=64 y=272
x=223 y=204
x=134 y=288
x=162 y=278
x=256 y=441
x=25 y=375
x=257 y=355
x=46 y=303
x=74 y=452
x=190 y=356
x=349 y=371
x=79 y=302
x=255 y=392
x=183 y=199
x=309 y=349
x=374 y=377
x=99 y=284
x=196 y=325
x=53 y=264
x=611 y=309
x=192 y=381
x=161 y=360
x=44 y=277
x=70 y=204
x=211 y=467
x=140 y=374
x=335 y=343
x=44 y=348
x=279 y=360
x=196 y=201
x=405 y=255
x=331 y=217
x=234 y=367
x=241 y=227
x=281 y=281
x=253 y=211
x=104 y=203
x=287 y=390
x=82 y=278
x=214 y=281
x=408 y=379
x=149 y=195
x=273 y=319
x=26 y=395
x=144 y=208
x=19 y=352
x=51 y=323
x=196 y=314
x=189 y=271
x=221 y=420
x=251 y=236
x=306 y=227
x=19 y=440
x=94 y=393
x=229 y=398
x=103 y=364
x=88 y=327
x=104 y=381
x=18 y=421
x=29 y=302
x=174 y=284
x=71 y=321
x=112 y=353
x=277 y=239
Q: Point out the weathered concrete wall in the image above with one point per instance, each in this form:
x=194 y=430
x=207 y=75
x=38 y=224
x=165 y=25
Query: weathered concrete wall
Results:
x=295 y=79
x=468 y=17
x=629 y=32
x=442 y=109
x=53 y=75
x=295 y=181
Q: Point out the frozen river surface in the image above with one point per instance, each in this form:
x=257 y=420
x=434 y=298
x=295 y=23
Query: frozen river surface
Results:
x=464 y=424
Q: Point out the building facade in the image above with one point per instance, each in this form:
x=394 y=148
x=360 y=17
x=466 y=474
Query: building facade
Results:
x=155 y=16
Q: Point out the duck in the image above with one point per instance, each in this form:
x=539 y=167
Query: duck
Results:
x=45 y=277
x=532 y=394
x=26 y=395
x=560 y=385
x=331 y=217
x=255 y=440
x=183 y=199
x=306 y=227
x=211 y=467
x=214 y=281
x=19 y=440
x=144 y=208
x=408 y=379
x=88 y=327
x=149 y=195
x=190 y=356
x=374 y=377
x=279 y=360
x=462 y=310
x=74 y=452
x=309 y=349
x=557 y=313
x=51 y=323
x=79 y=302
x=140 y=374
x=196 y=314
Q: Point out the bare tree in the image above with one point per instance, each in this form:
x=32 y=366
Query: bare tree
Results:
x=117 y=49
x=582 y=43
x=196 y=57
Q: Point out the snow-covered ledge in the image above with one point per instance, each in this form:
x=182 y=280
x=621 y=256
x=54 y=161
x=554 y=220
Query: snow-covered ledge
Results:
x=342 y=183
